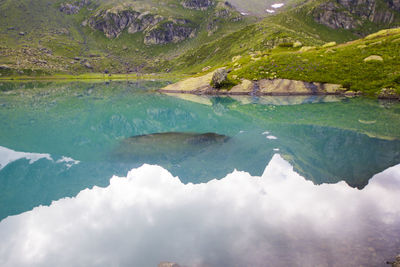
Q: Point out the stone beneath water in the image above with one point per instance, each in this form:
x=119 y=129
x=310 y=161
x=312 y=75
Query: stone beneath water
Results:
x=169 y=146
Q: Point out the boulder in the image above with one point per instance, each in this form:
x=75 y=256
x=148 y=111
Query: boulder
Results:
x=245 y=87
x=293 y=87
x=306 y=48
x=219 y=77
x=206 y=68
x=388 y=93
x=330 y=44
x=88 y=65
x=197 y=4
x=69 y=9
x=236 y=58
x=297 y=44
x=195 y=85
x=373 y=58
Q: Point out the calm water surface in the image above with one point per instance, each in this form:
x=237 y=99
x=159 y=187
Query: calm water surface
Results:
x=95 y=174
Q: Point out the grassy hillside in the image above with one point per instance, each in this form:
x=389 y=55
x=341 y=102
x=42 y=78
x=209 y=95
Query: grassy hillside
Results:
x=366 y=65
x=36 y=38
x=287 y=27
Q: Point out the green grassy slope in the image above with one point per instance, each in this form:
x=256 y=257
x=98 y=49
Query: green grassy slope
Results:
x=51 y=39
x=55 y=43
x=287 y=27
x=342 y=64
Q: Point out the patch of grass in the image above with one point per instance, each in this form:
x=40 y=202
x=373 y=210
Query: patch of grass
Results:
x=342 y=64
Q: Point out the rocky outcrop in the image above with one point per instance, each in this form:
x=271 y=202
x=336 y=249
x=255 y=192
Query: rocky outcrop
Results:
x=201 y=86
x=143 y=22
x=74 y=8
x=224 y=11
x=197 y=4
x=113 y=21
x=156 y=29
x=292 y=87
x=350 y=14
x=168 y=32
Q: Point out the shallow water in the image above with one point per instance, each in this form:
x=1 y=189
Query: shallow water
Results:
x=285 y=181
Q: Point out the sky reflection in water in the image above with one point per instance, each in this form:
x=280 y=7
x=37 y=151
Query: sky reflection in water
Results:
x=278 y=219
x=315 y=204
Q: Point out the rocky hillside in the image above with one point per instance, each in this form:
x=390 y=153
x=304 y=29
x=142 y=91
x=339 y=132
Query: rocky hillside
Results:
x=181 y=36
x=358 y=15
x=106 y=35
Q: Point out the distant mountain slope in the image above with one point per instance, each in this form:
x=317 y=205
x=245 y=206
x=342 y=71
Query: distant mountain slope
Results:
x=358 y=16
x=120 y=36
x=184 y=36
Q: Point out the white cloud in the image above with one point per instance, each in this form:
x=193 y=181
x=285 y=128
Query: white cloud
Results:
x=69 y=162
x=270 y=11
x=150 y=216
x=8 y=155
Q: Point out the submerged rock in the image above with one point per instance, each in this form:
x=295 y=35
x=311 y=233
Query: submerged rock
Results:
x=168 y=146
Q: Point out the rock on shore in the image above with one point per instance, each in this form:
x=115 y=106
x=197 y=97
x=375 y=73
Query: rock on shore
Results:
x=201 y=86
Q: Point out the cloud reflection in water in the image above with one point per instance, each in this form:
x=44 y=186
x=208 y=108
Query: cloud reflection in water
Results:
x=279 y=219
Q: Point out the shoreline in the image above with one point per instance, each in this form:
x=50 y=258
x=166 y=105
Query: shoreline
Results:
x=201 y=85
x=94 y=76
x=227 y=92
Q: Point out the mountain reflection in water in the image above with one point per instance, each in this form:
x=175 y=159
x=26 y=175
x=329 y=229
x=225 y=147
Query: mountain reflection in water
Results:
x=84 y=132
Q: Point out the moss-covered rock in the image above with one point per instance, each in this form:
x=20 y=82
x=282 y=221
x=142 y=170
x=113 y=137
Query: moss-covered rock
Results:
x=219 y=78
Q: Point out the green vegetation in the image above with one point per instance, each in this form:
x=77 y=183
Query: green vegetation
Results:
x=39 y=41
x=341 y=64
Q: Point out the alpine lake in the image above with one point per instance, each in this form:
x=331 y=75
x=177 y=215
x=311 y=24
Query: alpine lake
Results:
x=117 y=174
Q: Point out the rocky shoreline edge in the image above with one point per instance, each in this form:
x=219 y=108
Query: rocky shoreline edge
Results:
x=275 y=87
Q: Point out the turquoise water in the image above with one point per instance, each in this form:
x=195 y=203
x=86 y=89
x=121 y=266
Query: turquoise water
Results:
x=60 y=143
